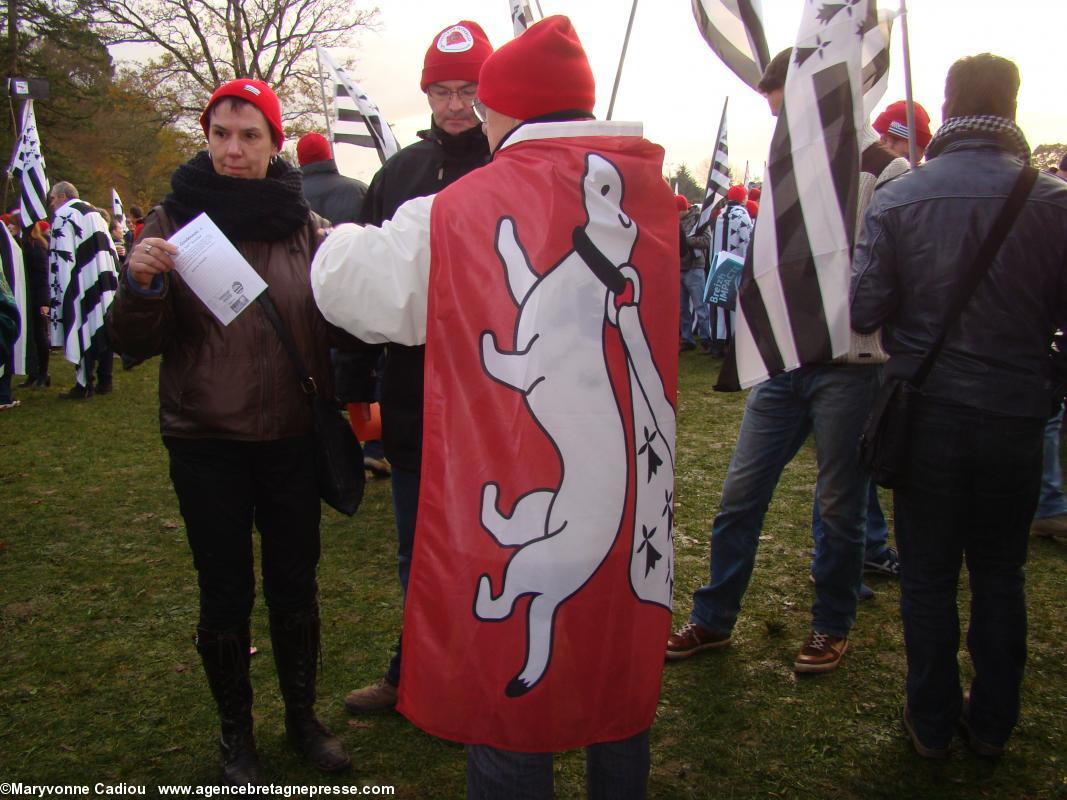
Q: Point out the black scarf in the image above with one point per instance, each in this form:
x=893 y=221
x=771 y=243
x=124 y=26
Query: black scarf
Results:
x=470 y=142
x=1000 y=131
x=245 y=209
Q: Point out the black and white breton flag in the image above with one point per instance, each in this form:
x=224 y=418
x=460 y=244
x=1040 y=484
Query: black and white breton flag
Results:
x=718 y=182
x=28 y=166
x=15 y=274
x=357 y=120
x=116 y=207
x=521 y=16
x=733 y=29
x=793 y=301
x=83 y=269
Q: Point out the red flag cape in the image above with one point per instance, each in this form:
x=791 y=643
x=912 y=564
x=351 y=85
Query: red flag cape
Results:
x=539 y=600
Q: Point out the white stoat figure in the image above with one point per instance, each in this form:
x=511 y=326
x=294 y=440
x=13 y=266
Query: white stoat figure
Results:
x=563 y=534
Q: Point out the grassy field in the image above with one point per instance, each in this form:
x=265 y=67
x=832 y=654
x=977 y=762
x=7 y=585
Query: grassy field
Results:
x=99 y=680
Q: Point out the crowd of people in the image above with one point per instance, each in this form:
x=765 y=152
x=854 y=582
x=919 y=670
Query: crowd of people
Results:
x=431 y=289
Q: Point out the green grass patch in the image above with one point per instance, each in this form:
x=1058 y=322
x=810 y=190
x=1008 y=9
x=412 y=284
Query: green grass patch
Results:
x=99 y=680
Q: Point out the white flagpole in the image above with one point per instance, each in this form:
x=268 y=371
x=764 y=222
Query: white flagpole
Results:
x=622 y=58
x=913 y=148
x=322 y=89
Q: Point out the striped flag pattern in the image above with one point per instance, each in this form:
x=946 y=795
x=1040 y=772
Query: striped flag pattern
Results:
x=521 y=16
x=28 y=166
x=83 y=269
x=793 y=300
x=734 y=31
x=876 y=30
x=358 y=120
x=718 y=174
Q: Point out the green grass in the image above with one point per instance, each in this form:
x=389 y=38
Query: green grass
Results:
x=99 y=680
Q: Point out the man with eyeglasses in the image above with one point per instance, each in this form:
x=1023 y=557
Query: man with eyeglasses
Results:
x=453 y=146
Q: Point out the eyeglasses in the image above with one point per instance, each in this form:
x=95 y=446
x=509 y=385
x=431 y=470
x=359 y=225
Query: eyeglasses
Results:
x=478 y=107
x=465 y=94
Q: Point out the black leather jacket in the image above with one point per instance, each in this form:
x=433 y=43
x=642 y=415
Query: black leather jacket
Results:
x=922 y=232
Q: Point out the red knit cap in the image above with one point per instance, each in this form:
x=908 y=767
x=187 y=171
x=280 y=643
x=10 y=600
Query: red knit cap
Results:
x=457 y=54
x=682 y=202
x=258 y=94
x=541 y=71
x=752 y=207
x=755 y=193
x=736 y=193
x=312 y=147
x=894 y=121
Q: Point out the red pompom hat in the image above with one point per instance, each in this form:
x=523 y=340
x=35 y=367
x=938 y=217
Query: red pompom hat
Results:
x=311 y=148
x=894 y=121
x=737 y=193
x=682 y=202
x=258 y=94
x=539 y=72
x=755 y=193
x=457 y=54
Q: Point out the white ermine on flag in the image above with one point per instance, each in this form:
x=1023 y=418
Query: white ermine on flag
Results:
x=521 y=16
x=28 y=166
x=733 y=29
x=116 y=207
x=83 y=270
x=358 y=120
x=718 y=174
x=793 y=300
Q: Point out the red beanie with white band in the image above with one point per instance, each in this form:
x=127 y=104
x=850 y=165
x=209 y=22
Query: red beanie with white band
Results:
x=539 y=72
x=258 y=94
x=457 y=54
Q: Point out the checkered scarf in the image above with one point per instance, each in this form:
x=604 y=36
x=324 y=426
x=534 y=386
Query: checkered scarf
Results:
x=1000 y=130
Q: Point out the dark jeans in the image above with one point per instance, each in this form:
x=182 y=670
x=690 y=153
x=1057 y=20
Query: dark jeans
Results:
x=101 y=358
x=971 y=490
x=37 y=352
x=223 y=488
x=405 y=484
x=613 y=771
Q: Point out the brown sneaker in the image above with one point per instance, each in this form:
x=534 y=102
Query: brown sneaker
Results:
x=820 y=653
x=691 y=639
x=1050 y=527
x=380 y=696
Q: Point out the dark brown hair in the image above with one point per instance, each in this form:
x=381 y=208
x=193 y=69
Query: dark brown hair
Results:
x=979 y=85
x=774 y=76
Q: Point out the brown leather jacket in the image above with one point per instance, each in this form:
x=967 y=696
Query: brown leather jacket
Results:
x=237 y=381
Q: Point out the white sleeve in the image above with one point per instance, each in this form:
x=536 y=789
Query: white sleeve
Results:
x=372 y=282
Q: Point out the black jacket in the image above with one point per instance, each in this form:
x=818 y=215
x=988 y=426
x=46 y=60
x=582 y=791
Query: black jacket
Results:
x=923 y=231
x=330 y=194
x=420 y=169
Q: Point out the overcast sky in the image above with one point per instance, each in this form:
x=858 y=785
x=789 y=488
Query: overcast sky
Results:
x=675 y=85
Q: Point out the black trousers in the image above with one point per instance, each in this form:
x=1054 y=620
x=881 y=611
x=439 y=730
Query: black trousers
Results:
x=224 y=488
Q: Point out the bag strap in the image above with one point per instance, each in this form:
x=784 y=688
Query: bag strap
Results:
x=307 y=383
x=982 y=262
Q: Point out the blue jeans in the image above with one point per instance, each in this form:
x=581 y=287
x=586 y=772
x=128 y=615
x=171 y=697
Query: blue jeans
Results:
x=405 y=505
x=1052 y=502
x=971 y=490
x=692 y=291
x=877 y=538
x=613 y=771
x=832 y=401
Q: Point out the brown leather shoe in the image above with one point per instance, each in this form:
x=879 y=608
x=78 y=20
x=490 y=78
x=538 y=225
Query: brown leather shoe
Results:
x=379 y=696
x=1050 y=527
x=691 y=639
x=820 y=653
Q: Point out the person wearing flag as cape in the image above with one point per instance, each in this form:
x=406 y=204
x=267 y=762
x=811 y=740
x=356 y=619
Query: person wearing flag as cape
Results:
x=545 y=288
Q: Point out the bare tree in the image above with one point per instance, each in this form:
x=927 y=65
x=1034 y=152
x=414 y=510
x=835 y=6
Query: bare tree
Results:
x=203 y=43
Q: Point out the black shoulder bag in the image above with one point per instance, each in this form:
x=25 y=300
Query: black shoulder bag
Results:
x=338 y=455
x=887 y=431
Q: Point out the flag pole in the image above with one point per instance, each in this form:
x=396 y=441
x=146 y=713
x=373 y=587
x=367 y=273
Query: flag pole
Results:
x=539 y=11
x=622 y=58
x=322 y=89
x=913 y=148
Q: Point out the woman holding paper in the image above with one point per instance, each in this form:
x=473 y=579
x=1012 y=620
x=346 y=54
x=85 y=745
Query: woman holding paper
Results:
x=234 y=418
